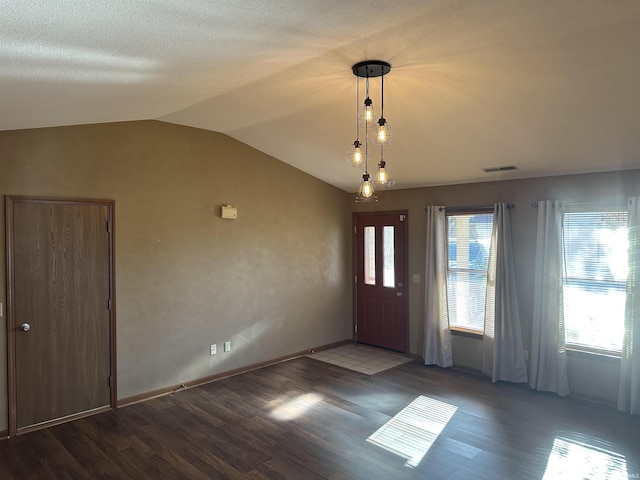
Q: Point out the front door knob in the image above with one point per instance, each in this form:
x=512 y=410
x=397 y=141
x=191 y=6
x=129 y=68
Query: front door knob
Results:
x=25 y=327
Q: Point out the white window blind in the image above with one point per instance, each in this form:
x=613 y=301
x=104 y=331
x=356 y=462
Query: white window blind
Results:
x=469 y=239
x=595 y=275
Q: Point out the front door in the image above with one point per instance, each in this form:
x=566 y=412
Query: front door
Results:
x=60 y=325
x=380 y=263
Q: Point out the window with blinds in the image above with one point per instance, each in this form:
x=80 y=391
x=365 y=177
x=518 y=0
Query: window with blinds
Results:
x=594 y=280
x=469 y=239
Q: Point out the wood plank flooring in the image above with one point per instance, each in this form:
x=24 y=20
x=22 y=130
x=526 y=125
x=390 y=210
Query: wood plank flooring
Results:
x=304 y=419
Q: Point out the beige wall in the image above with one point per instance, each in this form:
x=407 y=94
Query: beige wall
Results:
x=273 y=282
x=590 y=377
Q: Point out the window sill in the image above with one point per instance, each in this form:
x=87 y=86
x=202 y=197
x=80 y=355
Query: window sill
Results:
x=466 y=332
x=580 y=351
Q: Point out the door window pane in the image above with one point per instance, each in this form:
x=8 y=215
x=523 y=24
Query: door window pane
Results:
x=388 y=246
x=370 y=255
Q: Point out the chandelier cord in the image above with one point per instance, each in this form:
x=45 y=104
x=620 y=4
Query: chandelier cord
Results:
x=382 y=97
x=357 y=107
x=366 y=134
x=367 y=83
x=366 y=141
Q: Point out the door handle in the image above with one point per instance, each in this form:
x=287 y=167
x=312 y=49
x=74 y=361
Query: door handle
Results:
x=25 y=327
x=399 y=294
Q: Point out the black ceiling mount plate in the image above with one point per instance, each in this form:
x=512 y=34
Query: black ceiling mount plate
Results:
x=371 y=68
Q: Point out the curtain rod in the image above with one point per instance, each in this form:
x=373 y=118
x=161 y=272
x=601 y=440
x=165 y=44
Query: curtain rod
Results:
x=619 y=203
x=481 y=208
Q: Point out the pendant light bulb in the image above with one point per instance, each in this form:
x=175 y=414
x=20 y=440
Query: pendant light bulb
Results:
x=368 y=115
x=366 y=188
x=382 y=132
x=355 y=154
x=382 y=177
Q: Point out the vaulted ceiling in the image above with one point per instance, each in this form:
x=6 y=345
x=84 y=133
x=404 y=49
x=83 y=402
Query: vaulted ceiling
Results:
x=549 y=86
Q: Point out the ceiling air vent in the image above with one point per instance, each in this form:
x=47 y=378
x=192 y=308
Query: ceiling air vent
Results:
x=499 y=169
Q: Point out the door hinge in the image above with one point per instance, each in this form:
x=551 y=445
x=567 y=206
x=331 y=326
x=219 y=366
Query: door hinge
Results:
x=109 y=304
x=355 y=328
x=109 y=227
x=355 y=230
x=402 y=218
x=109 y=380
x=355 y=279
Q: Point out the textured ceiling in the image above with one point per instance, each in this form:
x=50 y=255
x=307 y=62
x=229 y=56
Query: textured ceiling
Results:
x=550 y=86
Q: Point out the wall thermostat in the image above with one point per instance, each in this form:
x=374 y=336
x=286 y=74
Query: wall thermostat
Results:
x=229 y=212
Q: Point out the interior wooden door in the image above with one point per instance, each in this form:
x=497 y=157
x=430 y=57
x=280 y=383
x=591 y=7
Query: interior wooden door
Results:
x=60 y=305
x=380 y=254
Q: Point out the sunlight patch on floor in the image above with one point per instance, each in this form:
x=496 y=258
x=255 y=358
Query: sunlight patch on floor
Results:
x=291 y=408
x=411 y=432
x=578 y=457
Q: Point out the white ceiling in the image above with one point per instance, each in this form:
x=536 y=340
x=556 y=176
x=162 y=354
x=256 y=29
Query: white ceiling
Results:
x=550 y=86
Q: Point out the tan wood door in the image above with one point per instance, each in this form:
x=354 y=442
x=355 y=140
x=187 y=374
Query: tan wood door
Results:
x=380 y=291
x=60 y=305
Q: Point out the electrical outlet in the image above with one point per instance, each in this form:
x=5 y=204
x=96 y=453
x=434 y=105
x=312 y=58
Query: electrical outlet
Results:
x=526 y=354
x=214 y=349
x=227 y=346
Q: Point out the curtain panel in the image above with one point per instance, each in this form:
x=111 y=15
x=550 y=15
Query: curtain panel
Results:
x=629 y=391
x=502 y=350
x=548 y=353
x=437 y=340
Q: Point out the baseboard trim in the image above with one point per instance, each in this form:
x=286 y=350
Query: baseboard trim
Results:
x=469 y=371
x=593 y=402
x=573 y=398
x=60 y=421
x=327 y=347
x=142 y=397
x=4 y=434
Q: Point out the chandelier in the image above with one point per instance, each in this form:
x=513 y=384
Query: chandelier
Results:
x=375 y=129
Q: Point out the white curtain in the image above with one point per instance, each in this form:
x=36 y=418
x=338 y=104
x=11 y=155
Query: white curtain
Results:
x=502 y=351
x=437 y=336
x=629 y=391
x=548 y=353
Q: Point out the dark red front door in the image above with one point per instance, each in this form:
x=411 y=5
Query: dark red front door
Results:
x=381 y=280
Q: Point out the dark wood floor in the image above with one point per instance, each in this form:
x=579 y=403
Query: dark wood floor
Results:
x=304 y=419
